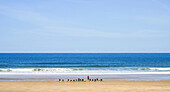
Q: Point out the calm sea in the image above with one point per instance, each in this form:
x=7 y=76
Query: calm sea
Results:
x=84 y=62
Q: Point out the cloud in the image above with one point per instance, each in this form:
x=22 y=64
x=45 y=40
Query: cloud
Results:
x=75 y=32
x=50 y=27
x=26 y=15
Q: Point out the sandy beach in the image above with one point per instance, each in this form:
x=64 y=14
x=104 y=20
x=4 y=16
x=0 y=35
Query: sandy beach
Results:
x=105 y=86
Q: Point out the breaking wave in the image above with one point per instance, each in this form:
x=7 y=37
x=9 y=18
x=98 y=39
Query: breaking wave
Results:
x=83 y=70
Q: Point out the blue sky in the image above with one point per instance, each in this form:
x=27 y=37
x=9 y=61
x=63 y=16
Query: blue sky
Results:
x=84 y=26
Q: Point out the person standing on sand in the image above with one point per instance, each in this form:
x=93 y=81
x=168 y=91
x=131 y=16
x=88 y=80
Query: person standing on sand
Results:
x=87 y=77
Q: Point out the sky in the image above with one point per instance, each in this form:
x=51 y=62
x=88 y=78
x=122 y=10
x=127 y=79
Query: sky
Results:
x=84 y=26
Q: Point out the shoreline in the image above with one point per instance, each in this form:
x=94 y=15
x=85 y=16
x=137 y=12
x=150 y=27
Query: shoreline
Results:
x=104 y=86
x=4 y=73
x=135 y=77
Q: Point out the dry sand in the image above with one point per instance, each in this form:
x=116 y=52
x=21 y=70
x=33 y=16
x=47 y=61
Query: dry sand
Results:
x=105 y=86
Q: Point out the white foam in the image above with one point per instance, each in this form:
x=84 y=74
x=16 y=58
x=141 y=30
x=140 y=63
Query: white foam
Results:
x=159 y=68
x=36 y=69
x=13 y=73
x=81 y=71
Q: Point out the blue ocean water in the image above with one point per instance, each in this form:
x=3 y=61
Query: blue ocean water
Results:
x=84 y=62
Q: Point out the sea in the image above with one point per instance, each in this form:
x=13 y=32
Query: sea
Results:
x=109 y=66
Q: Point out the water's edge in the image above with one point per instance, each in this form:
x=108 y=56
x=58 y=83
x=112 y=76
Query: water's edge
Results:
x=134 y=77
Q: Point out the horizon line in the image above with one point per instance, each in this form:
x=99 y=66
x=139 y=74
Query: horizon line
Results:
x=86 y=52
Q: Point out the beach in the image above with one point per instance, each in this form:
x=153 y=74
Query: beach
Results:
x=105 y=86
x=84 y=46
x=41 y=72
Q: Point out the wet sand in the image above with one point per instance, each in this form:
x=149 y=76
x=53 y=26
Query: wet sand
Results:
x=105 y=86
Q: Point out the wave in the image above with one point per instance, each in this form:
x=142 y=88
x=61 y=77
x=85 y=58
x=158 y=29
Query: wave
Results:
x=121 y=69
x=56 y=63
x=168 y=69
x=34 y=69
x=51 y=65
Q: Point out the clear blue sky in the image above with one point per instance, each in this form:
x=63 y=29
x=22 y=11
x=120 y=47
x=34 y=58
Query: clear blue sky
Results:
x=84 y=26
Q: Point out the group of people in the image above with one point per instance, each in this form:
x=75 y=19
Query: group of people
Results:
x=81 y=80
